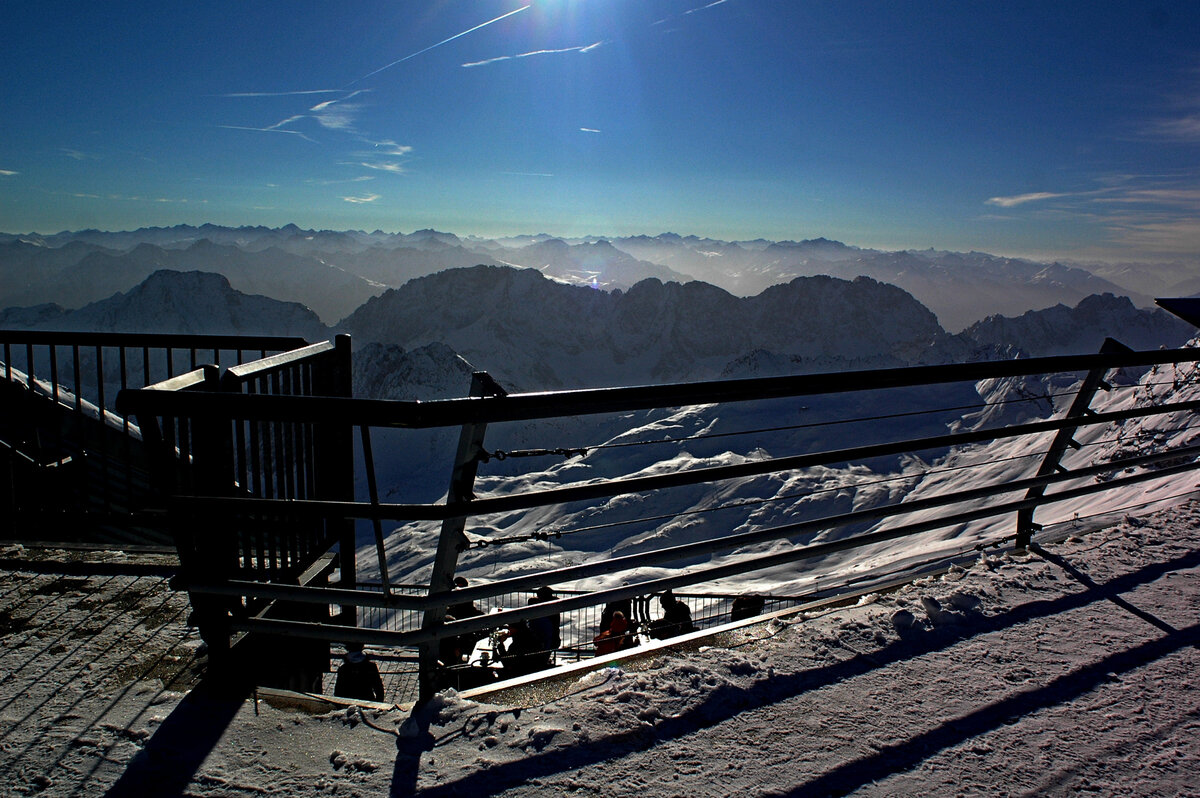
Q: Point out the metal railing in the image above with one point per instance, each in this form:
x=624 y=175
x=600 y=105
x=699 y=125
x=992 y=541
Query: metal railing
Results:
x=223 y=413
x=70 y=465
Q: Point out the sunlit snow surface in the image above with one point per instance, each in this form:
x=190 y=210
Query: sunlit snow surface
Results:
x=644 y=522
x=1070 y=673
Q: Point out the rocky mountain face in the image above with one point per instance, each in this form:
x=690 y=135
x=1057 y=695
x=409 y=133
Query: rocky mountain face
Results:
x=177 y=302
x=959 y=288
x=331 y=292
x=1061 y=330
x=387 y=371
x=533 y=333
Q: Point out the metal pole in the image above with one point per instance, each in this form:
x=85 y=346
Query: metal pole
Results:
x=1063 y=439
x=452 y=539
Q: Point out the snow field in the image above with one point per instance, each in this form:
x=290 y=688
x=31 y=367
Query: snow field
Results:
x=1064 y=674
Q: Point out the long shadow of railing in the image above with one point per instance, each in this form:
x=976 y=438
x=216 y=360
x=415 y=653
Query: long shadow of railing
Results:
x=727 y=701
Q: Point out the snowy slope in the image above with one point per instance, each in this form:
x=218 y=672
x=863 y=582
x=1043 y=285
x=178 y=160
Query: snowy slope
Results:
x=699 y=436
x=1069 y=674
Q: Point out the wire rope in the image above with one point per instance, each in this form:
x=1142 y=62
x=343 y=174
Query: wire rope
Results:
x=569 y=451
x=558 y=534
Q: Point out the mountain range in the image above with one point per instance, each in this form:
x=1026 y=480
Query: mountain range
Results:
x=334 y=272
x=534 y=333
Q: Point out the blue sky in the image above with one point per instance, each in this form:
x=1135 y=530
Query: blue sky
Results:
x=1053 y=129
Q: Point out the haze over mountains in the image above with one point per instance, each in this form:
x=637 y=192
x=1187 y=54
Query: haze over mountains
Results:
x=436 y=305
x=334 y=272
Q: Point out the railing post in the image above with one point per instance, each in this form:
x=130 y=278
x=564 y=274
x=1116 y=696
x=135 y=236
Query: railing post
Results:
x=1063 y=439
x=333 y=456
x=452 y=540
x=204 y=552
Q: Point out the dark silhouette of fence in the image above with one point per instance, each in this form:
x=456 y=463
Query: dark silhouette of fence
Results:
x=299 y=493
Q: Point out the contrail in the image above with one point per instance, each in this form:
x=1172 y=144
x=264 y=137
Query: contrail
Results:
x=439 y=44
x=278 y=93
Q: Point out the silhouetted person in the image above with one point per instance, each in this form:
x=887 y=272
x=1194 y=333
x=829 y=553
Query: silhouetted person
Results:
x=358 y=677
x=544 y=632
x=464 y=609
x=522 y=655
x=746 y=607
x=676 y=618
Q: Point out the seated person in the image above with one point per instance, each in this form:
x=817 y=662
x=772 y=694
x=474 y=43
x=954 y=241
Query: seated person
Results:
x=464 y=609
x=676 y=618
x=546 y=637
x=615 y=637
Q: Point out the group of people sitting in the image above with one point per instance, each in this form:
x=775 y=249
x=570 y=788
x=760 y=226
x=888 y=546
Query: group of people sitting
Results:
x=619 y=629
x=528 y=646
x=520 y=648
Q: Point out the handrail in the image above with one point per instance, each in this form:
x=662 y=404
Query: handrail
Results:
x=730 y=542
x=608 y=488
x=709 y=574
x=421 y=414
x=153 y=340
x=183 y=382
x=248 y=371
x=282 y=438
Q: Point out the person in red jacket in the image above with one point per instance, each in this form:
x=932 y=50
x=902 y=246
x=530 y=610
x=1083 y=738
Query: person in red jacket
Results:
x=613 y=638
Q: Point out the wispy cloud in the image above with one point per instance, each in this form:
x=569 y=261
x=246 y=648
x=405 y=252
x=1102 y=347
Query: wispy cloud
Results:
x=78 y=155
x=362 y=200
x=528 y=174
x=359 y=179
x=1184 y=129
x=387 y=148
x=8 y=173
x=686 y=13
x=392 y=167
x=583 y=48
x=135 y=198
x=709 y=5
x=1156 y=196
x=1133 y=215
x=271 y=129
x=337 y=114
x=1021 y=199
x=588 y=130
x=438 y=44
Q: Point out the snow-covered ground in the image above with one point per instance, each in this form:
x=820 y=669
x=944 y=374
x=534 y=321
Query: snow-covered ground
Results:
x=1076 y=671
x=667 y=441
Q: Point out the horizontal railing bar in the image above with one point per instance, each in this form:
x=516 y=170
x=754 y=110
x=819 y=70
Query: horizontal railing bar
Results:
x=505 y=617
x=256 y=368
x=153 y=340
x=684 y=551
x=304 y=508
x=181 y=382
x=419 y=414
